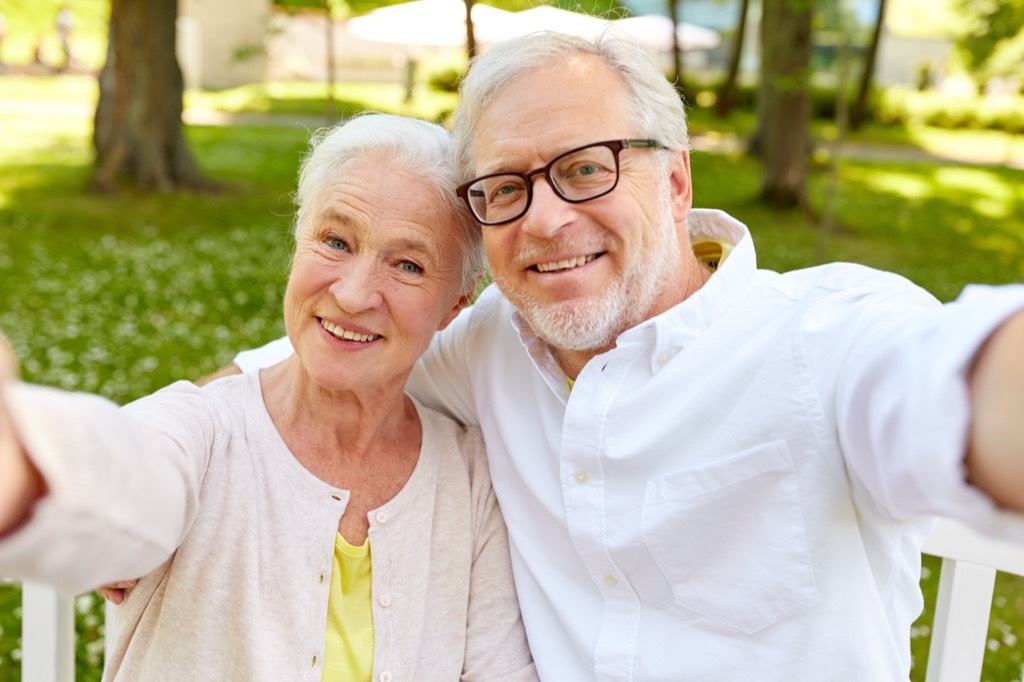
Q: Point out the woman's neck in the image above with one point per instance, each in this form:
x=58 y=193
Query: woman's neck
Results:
x=348 y=424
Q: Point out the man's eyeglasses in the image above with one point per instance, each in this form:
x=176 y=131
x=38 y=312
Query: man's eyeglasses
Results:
x=578 y=175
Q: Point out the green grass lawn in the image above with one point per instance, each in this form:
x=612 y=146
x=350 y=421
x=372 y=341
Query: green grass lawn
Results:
x=122 y=294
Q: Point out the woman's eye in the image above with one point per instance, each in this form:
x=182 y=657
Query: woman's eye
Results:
x=410 y=268
x=336 y=243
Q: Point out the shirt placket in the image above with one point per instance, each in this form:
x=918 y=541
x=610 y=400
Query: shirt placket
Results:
x=589 y=511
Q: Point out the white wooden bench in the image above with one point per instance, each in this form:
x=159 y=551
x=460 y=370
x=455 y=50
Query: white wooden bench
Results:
x=964 y=598
x=959 y=630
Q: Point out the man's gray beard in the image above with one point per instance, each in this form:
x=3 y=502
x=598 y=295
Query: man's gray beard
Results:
x=595 y=324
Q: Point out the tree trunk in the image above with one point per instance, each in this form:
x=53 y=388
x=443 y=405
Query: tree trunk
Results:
x=330 y=108
x=859 y=111
x=470 y=35
x=727 y=92
x=785 y=101
x=677 y=53
x=138 y=133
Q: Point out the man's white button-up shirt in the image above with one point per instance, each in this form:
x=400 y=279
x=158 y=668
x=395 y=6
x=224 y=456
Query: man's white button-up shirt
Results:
x=739 y=489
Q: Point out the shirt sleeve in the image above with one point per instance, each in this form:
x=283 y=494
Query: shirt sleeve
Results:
x=266 y=355
x=442 y=378
x=496 y=646
x=903 y=407
x=122 y=490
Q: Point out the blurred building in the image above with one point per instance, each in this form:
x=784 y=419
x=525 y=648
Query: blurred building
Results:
x=221 y=43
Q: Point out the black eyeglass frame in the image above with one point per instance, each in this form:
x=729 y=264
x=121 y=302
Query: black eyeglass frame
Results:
x=615 y=146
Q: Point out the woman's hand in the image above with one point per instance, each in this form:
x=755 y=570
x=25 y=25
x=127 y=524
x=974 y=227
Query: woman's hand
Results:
x=20 y=482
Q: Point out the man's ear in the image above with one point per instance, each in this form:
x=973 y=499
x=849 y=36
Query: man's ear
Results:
x=680 y=185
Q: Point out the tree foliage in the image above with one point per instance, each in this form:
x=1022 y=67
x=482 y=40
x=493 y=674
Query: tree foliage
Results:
x=991 y=41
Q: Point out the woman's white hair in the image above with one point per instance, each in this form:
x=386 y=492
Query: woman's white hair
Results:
x=418 y=147
x=654 y=106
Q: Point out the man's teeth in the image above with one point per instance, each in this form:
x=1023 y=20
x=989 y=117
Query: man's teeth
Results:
x=346 y=334
x=566 y=264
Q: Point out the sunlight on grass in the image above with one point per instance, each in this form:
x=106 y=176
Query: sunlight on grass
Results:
x=993 y=199
x=310 y=99
x=902 y=184
x=984 y=146
x=56 y=88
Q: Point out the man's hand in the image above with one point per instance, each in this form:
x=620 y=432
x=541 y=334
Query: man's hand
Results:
x=20 y=482
x=116 y=592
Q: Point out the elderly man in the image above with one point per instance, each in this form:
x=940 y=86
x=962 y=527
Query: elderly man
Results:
x=707 y=474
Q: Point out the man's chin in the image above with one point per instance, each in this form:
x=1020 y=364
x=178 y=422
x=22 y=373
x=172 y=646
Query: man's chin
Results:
x=574 y=325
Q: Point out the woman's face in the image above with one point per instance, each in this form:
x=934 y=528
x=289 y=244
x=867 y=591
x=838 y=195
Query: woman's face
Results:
x=377 y=271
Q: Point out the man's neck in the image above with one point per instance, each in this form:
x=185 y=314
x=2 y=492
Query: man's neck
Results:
x=573 y=361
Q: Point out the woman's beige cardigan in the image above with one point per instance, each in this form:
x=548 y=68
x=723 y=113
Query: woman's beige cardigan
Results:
x=195 y=489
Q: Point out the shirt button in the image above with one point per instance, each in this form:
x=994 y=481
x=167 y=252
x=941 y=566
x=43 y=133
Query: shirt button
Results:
x=611 y=580
x=581 y=477
x=385 y=600
x=382 y=517
x=385 y=676
x=664 y=357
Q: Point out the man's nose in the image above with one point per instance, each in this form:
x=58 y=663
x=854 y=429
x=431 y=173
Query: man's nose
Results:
x=548 y=212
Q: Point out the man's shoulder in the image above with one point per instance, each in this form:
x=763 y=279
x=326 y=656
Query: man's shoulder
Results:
x=489 y=314
x=823 y=280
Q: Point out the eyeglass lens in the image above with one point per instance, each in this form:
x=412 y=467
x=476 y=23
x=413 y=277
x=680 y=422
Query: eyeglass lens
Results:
x=577 y=176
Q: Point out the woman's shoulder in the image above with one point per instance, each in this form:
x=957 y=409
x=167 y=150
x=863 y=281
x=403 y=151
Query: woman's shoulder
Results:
x=224 y=400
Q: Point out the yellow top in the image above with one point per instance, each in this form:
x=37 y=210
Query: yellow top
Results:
x=711 y=252
x=348 y=653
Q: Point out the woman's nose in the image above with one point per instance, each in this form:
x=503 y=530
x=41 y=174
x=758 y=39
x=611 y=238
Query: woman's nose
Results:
x=358 y=288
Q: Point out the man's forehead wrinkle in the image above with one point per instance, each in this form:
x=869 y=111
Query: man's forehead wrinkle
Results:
x=515 y=133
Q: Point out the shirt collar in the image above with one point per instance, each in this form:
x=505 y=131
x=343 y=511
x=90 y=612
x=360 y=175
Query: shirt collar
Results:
x=671 y=331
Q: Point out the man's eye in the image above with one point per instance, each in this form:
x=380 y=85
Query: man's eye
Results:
x=587 y=169
x=505 y=190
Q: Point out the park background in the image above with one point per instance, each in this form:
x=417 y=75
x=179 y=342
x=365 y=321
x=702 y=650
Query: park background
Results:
x=124 y=290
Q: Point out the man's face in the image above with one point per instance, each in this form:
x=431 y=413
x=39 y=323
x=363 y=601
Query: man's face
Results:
x=581 y=273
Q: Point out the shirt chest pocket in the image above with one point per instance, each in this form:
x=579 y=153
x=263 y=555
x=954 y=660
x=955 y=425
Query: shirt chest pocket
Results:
x=730 y=538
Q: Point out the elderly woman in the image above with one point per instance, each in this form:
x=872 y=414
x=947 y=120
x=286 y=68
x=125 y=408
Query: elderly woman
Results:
x=310 y=521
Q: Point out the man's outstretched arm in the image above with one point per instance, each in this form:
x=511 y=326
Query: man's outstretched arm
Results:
x=995 y=455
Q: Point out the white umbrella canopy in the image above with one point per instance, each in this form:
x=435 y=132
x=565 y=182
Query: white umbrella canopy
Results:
x=428 y=23
x=655 y=32
x=547 y=18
